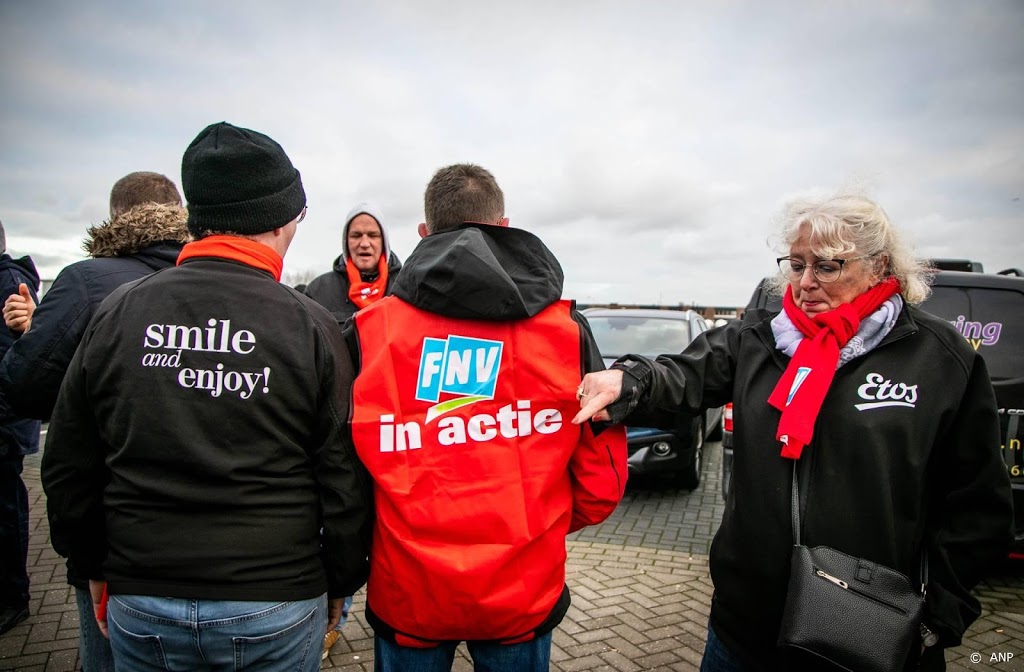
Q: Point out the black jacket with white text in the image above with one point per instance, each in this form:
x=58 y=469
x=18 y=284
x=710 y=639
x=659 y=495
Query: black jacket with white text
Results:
x=199 y=442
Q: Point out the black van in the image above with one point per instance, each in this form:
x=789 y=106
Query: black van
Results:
x=988 y=309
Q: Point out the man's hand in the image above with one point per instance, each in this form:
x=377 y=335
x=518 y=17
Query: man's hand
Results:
x=596 y=392
x=334 y=608
x=18 y=309
x=98 y=591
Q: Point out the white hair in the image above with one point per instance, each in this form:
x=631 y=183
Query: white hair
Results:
x=850 y=223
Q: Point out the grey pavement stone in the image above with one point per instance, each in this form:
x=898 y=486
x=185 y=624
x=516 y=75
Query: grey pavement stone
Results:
x=640 y=585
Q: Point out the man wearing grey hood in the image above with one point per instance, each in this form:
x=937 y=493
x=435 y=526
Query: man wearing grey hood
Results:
x=363 y=273
x=365 y=270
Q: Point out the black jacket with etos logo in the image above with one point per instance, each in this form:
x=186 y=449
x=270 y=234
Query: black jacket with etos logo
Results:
x=905 y=456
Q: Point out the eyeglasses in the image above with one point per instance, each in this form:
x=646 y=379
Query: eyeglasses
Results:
x=826 y=270
x=302 y=214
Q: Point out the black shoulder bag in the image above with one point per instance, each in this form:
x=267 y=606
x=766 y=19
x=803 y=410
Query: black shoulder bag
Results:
x=854 y=613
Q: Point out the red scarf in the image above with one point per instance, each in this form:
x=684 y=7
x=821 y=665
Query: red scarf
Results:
x=814 y=364
x=364 y=293
x=243 y=250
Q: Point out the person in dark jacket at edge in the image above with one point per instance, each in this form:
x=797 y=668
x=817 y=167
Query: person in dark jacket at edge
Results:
x=466 y=381
x=18 y=437
x=207 y=403
x=364 y=272
x=887 y=410
x=362 y=275
x=144 y=234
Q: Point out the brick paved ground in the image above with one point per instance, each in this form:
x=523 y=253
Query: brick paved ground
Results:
x=640 y=585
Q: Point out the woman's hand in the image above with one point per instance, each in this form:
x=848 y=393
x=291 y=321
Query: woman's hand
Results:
x=596 y=392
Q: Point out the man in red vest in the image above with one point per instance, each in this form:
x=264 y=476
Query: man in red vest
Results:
x=469 y=377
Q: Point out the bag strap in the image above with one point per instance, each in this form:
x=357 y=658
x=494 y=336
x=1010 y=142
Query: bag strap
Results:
x=795 y=496
x=795 y=516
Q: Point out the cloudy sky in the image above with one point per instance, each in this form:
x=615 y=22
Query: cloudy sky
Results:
x=649 y=144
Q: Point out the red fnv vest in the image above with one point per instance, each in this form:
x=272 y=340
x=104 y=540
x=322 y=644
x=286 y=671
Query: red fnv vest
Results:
x=465 y=428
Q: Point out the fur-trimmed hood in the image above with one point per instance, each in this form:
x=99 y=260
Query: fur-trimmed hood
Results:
x=137 y=229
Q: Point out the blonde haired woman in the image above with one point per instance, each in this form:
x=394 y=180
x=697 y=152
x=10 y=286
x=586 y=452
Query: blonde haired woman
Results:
x=889 y=411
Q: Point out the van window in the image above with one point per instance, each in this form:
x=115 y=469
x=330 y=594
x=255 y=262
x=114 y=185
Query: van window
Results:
x=992 y=320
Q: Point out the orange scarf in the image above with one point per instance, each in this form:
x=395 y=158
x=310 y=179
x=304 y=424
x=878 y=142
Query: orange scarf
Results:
x=364 y=293
x=243 y=250
x=814 y=363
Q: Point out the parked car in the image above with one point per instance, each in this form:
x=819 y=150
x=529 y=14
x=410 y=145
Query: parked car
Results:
x=988 y=310
x=676 y=453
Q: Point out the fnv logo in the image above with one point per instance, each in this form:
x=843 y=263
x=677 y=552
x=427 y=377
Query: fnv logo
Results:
x=467 y=370
x=882 y=393
x=458 y=365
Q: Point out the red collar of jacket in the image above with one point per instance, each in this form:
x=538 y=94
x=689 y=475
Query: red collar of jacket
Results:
x=242 y=250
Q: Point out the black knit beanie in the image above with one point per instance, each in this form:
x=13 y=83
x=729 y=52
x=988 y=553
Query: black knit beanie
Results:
x=239 y=181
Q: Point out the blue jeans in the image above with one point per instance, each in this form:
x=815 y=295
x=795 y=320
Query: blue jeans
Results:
x=13 y=533
x=93 y=648
x=716 y=657
x=163 y=633
x=532 y=656
x=344 y=613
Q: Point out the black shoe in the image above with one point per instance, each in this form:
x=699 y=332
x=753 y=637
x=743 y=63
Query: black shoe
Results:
x=11 y=616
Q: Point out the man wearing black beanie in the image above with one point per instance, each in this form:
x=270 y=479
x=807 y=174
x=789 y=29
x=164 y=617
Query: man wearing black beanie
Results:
x=239 y=181
x=212 y=443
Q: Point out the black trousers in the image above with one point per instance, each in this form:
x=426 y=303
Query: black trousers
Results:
x=13 y=533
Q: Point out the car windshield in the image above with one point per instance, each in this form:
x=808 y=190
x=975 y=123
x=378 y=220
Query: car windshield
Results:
x=647 y=336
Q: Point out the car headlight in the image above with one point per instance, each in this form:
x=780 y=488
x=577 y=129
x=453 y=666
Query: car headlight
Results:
x=661 y=448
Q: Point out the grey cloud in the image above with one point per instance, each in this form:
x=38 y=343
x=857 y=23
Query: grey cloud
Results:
x=648 y=143
x=50 y=261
